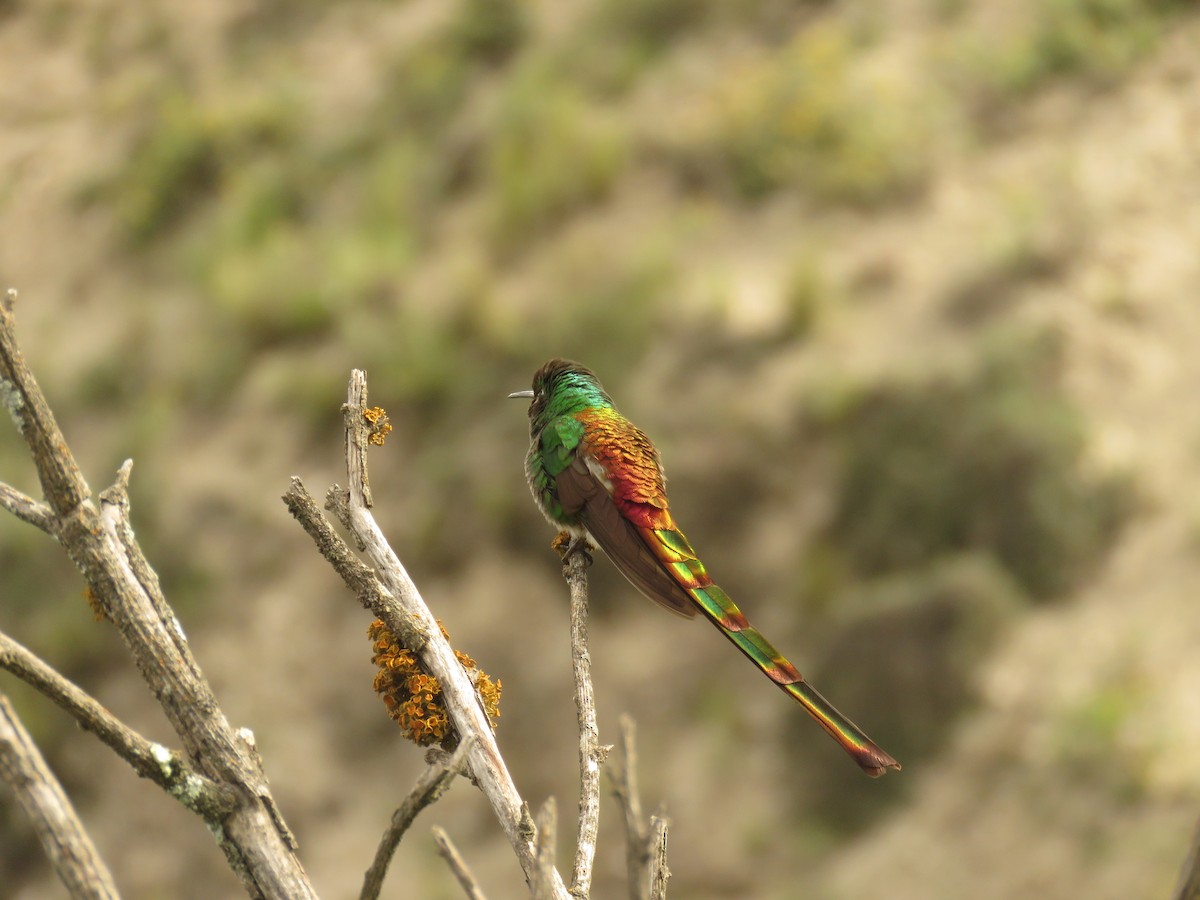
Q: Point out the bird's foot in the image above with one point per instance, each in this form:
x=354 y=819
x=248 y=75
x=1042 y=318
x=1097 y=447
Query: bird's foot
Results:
x=565 y=546
x=561 y=543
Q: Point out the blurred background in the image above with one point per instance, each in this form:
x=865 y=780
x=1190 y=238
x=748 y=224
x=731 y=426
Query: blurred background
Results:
x=904 y=292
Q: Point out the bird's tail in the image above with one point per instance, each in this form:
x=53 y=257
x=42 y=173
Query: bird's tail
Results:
x=680 y=559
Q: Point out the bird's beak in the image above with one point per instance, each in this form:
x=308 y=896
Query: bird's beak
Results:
x=521 y=395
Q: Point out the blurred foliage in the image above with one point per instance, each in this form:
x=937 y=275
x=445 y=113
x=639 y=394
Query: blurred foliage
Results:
x=423 y=89
x=1096 y=39
x=990 y=460
x=489 y=30
x=650 y=25
x=807 y=117
x=185 y=151
x=548 y=155
x=805 y=289
x=382 y=239
x=907 y=667
x=618 y=42
x=286 y=228
x=1036 y=232
x=1092 y=739
x=429 y=235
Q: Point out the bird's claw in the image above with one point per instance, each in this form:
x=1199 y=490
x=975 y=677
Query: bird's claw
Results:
x=561 y=543
x=565 y=546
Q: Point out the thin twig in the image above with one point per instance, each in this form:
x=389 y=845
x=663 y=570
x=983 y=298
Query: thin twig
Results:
x=404 y=612
x=546 y=844
x=68 y=846
x=659 y=873
x=63 y=484
x=163 y=766
x=637 y=832
x=434 y=782
x=356 y=574
x=591 y=754
x=26 y=508
x=458 y=865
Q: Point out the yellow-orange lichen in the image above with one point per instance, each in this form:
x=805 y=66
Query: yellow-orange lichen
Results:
x=413 y=697
x=380 y=426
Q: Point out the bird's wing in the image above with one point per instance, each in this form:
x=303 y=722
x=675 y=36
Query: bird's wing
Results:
x=582 y=493
x=614 y=487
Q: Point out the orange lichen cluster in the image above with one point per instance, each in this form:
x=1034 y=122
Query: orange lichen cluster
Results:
x=413 y=697
x=380 y=426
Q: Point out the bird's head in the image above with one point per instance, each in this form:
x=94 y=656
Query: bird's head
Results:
x=561 y=387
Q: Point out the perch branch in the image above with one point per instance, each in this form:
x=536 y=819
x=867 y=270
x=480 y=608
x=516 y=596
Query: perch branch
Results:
x=458 y=865
x=163 y=766
x=100 y=541
x=591 y=754
x=403 y=611
x=434 y=782
x=68 y=846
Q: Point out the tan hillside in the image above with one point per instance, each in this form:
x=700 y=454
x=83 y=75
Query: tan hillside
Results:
x=905 y=293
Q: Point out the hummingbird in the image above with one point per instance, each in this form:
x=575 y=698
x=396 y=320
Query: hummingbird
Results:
x=597 y=476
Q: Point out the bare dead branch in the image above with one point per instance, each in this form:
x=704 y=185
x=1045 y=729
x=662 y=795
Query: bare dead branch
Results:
x=434 y=782
x=659 y=873
x=458 y=865
x=637 y=832
x=100 y=541
x=163 y=766
x=546 y=844
x=68 y=846
x=404 y=612
x=591 y=754
x=645 y=842
x=356 y=574
x=62 y=482
x=26 y=508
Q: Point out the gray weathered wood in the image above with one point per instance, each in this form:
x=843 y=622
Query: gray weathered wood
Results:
x=45 y=804
x=99 y=539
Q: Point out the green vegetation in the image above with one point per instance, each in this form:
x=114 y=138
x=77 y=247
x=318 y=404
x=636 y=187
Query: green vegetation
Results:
x=991 y=461
x=922 y=633
x=618 y=42
x=650 y=25
x=1099 y=735
x=1036 y=231
x=729 y=210
x=186 y=152
x=548 y=155
x=806 y=118
x=804 y=292
x=488 y=30
x=393 y=230
x=1098 y=40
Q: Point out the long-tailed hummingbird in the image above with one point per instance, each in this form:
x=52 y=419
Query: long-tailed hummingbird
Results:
x=597 y=476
